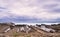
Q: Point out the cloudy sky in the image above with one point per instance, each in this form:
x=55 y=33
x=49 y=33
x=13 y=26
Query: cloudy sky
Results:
x=30 y=11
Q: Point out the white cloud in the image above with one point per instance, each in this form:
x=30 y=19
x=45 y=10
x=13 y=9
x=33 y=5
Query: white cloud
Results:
x=30 y=8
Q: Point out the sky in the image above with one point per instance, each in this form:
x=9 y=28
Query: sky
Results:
x=30 y=11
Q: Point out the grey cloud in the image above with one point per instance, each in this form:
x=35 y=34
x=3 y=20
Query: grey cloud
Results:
x=57 y=0
x=57 y=10
x=50 y=6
